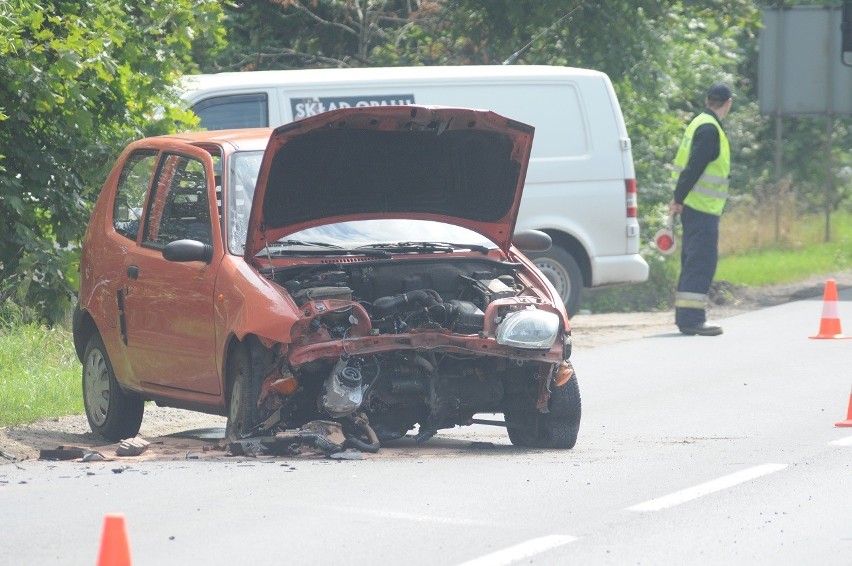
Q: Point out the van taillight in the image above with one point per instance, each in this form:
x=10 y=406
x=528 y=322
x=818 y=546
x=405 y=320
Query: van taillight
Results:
x=632 y=201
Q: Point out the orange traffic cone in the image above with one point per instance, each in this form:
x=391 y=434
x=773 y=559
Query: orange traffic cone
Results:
x=115 y=548
x=829 y=326
x=848 y=421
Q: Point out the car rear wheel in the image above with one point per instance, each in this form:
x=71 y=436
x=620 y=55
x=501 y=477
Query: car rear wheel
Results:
x=246 y=363
x=562 y=271
x=555 y=429
x=112 y=413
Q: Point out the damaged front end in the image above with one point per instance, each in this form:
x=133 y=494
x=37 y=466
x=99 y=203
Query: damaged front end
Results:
x=407 y=334
x=383 y=347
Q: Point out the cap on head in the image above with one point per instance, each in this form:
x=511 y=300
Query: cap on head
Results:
x=719 y=92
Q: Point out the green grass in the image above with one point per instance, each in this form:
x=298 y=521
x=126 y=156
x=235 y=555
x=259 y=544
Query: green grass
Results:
x=802 y=253
x=39 y=374
x=776 y=265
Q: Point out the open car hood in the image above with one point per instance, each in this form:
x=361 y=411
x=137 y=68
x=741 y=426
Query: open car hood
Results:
x=456 y=165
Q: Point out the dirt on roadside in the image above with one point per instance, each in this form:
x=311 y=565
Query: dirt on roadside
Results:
x=162 y=427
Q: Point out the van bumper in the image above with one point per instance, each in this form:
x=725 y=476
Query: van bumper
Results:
x=619 y=270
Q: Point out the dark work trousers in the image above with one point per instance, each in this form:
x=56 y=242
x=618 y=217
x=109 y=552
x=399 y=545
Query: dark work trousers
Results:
x=698 y=257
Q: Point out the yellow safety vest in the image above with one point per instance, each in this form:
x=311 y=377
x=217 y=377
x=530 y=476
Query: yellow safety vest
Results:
x=711 y=191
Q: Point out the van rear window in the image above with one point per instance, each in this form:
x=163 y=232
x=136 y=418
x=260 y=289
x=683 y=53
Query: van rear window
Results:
x=233 y=111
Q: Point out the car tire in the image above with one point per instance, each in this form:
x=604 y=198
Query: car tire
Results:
x=244 y=372
x=112 y=413
x=556 y=429
x=562 y=270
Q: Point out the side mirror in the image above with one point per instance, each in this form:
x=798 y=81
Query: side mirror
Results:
x=532 y=241
x=188 y=250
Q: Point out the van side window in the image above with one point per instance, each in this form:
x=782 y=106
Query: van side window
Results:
x=130 y=193
x=179 y=207
x=234 y=111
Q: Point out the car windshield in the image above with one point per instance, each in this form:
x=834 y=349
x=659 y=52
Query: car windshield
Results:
x=388 y=235
x=393 y=235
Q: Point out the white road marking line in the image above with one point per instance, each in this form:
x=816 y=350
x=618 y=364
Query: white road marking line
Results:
x=521 y=551
x=842 y=442
x=706 y=488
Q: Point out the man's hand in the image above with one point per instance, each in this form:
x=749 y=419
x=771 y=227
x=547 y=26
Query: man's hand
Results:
x=675 y=208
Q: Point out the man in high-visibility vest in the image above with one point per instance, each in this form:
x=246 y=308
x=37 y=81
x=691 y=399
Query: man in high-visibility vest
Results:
x=702 y=167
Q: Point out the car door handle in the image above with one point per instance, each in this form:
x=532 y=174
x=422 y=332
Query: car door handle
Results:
x=133 y=272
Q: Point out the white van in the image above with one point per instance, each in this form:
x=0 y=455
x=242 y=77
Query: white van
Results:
x=580 y=185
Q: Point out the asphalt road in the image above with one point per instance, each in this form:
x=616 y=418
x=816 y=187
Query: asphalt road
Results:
x=692 y=450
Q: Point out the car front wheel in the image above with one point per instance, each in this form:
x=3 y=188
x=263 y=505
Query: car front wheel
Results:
x=558 y=428
x=246 y=363
x=112 y=413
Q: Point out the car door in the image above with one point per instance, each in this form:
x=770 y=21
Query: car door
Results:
x=168 y=306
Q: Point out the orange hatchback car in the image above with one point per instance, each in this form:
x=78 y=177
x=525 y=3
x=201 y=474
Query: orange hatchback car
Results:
x=358 y=266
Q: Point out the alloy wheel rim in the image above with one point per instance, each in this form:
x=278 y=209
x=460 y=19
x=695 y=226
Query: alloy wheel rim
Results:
x=96 y=387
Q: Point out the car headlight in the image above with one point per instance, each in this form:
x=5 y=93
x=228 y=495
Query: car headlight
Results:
x=531 y=328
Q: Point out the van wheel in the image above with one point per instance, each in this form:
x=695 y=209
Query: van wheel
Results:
x=246 y=363
x=562 y=270
x=555 y=429
x=111 y=412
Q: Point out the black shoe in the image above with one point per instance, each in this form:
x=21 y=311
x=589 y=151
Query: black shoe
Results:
x=703 y=329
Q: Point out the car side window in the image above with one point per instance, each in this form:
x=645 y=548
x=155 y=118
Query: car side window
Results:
x=179 y=208
x=131 y=190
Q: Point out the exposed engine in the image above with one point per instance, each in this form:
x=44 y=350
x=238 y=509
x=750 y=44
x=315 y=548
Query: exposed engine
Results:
x=434 y=386
x=451 y=296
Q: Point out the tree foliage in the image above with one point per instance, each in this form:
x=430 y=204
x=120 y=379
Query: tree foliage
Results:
x=280 y=34
x=78 y=79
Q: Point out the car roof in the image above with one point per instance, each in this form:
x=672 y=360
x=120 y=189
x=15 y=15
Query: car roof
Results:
x=248 y=139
